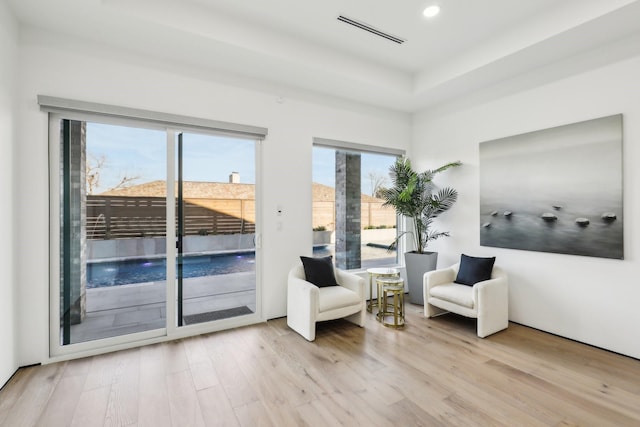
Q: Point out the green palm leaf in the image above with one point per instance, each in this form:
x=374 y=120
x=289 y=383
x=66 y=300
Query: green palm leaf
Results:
x=414 y=195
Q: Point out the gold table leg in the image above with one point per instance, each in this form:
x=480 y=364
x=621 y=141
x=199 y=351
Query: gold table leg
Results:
x=371 y=303
x=396 y=291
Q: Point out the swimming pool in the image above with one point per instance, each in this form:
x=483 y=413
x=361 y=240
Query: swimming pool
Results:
x=130 y=271
x=125 y=272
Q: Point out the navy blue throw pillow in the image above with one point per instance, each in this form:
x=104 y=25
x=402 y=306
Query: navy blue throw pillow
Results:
x=473 y=270
x=319 y=271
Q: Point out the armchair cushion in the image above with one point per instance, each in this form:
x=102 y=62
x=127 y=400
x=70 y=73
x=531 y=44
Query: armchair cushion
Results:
x=454 y=293
x=332 y=297
x=473 y=270
x=319 y=271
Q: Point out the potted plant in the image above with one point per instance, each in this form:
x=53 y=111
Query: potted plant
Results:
x=415 y=196
x=321 y=236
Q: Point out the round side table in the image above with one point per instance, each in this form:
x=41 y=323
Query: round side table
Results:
x=375 y=273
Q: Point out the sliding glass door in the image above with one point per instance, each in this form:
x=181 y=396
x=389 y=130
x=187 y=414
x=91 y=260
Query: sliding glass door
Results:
x=156 y=232
x=216 y=226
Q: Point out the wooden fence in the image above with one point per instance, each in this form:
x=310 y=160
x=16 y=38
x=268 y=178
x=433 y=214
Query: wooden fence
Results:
x=372 y=215
x=116 y=217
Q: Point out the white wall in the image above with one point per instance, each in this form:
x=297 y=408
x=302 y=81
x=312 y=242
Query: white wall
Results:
x=592 y=300
x=8 y=58
x=54 y=66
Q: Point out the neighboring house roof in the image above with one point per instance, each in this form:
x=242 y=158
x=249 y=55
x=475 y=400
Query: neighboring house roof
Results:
x=217 y=190
x=191 y=190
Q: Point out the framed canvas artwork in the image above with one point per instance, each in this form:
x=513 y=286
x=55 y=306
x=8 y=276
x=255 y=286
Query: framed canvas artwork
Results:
x=555 y=190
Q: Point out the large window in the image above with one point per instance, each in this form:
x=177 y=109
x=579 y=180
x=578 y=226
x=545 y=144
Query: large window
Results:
x=349 y=219
x=153 y=228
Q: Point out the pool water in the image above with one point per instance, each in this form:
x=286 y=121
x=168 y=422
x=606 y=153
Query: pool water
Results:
x=125 y=272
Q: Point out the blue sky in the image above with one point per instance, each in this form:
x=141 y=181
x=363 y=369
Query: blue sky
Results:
x=324 y=167
x=141 y=152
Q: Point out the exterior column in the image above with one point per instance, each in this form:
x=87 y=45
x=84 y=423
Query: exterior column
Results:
x=348 y=207
x=77 y=221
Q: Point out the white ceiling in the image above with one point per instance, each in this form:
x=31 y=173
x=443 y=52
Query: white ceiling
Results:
x=300 y=44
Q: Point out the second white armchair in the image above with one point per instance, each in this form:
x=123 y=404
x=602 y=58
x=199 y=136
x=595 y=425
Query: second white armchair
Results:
x=486 y=300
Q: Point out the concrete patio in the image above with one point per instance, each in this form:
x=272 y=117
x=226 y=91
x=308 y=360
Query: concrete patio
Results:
x=126 y=309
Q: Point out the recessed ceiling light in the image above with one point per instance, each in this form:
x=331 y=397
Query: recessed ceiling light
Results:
x=431 y=11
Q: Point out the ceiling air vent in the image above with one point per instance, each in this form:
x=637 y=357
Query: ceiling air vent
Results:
x=370 y=29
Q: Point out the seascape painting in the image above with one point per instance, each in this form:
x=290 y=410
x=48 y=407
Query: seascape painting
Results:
x=555 y=190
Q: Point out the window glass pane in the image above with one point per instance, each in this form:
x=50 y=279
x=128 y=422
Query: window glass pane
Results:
x=349 y=220
x=216 y=218
x=113 y=250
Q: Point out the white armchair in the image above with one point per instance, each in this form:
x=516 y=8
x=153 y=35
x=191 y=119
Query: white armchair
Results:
x=488 y=300
x=308 y=304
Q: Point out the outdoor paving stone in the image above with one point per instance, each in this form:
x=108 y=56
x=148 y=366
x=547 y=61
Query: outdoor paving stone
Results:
x=137 y=316
x=126 y=309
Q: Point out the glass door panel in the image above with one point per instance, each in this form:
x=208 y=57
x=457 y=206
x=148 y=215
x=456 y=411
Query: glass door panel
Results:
x=216 y=217
x=113 y=238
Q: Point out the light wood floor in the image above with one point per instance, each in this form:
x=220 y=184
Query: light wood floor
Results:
x=434 y=372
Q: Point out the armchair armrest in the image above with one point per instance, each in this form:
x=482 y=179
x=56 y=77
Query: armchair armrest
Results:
x=489 y=292
x=351 y=281
x=302 y=306
x=432 y=279
x=302 y=297
x=438 y=277
x=492 y=301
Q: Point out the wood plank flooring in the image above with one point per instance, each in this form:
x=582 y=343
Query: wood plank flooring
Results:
x=434 y=372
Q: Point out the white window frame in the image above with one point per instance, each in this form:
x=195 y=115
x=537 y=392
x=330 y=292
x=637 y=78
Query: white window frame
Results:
x=373 y=149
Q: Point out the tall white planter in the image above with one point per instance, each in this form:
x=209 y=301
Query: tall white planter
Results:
x=417 y=264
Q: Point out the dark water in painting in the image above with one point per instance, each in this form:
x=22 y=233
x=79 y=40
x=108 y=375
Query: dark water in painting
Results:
x=526 y=229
